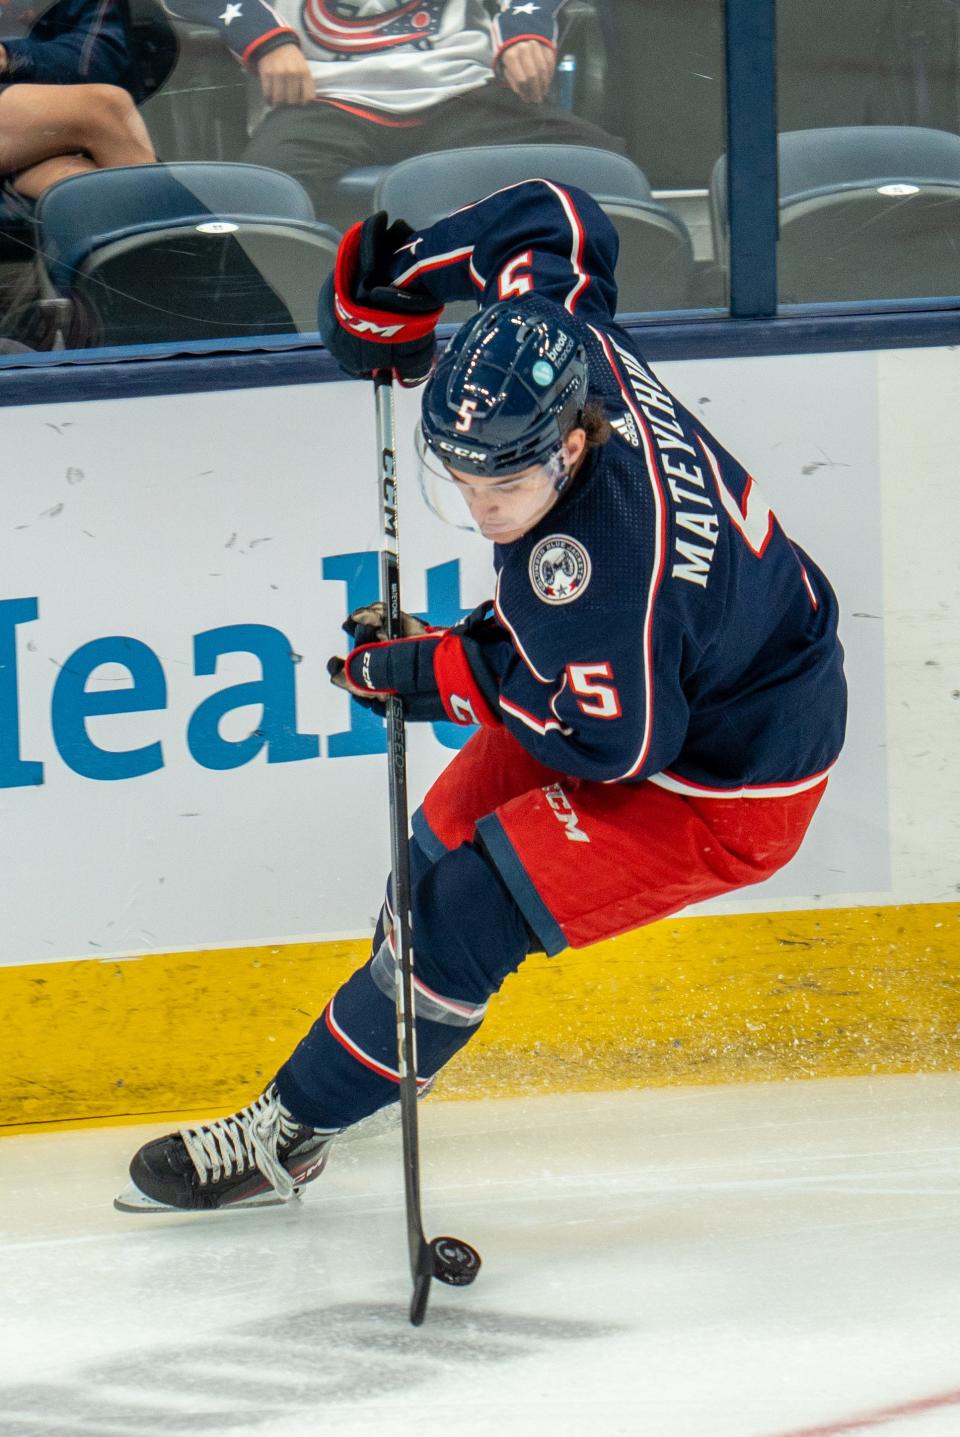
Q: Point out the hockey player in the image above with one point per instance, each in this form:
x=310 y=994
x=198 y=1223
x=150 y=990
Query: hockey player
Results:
x=657 y=682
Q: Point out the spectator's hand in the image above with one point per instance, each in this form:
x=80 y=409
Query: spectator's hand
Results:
x=285 y=77
x=528 y=69
x=4 y=62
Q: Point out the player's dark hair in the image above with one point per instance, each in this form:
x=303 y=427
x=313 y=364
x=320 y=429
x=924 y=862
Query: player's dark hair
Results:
x=595 y=422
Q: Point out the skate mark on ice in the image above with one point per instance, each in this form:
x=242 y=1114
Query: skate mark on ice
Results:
x=266 y=1369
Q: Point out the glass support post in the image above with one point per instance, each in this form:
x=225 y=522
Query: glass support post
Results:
x=752 y=156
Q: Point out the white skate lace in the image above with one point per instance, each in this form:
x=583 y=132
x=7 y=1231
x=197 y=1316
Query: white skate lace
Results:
x=248 y=1139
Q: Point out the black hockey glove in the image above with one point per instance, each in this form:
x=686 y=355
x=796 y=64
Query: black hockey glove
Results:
x=429 y=669
x=365 y=322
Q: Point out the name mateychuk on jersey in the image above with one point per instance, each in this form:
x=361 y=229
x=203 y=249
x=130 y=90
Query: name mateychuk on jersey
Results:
x=685 y=481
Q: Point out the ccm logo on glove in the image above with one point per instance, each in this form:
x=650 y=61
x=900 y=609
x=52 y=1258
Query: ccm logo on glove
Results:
x=367 y=324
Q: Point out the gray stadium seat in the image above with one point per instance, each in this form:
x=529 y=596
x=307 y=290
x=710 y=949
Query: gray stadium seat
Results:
x=156 y=253
x=866 y=212
x=656 y=256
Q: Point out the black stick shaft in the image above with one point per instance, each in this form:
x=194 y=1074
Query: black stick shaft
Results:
x=421 y=1261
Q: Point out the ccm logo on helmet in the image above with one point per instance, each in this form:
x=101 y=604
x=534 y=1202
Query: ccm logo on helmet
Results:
x=460 y=451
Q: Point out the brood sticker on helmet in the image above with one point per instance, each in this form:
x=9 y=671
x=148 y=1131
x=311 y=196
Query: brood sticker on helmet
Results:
x=559 y=569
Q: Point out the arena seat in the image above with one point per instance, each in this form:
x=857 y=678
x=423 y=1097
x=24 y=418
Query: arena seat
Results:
x=655 y=268
x=194 y=250
x=866 y=212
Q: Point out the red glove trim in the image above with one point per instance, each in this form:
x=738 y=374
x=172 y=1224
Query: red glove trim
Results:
x=357 y=653
x=381 y=326
x=459 y=691
x=382 y=644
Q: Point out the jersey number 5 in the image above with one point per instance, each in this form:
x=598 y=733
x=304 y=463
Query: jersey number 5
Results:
x=593 y=698
x=515 y=277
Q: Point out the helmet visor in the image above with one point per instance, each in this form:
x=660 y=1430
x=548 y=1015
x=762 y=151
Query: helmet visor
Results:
x=508 y=504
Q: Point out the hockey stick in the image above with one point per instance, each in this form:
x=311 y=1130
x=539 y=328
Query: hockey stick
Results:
x=446 y=1258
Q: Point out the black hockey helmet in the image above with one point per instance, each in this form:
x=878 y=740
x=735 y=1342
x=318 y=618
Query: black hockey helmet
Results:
x=510 y=385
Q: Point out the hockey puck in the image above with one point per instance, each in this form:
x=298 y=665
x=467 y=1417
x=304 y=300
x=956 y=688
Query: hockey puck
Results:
x=454 y=1261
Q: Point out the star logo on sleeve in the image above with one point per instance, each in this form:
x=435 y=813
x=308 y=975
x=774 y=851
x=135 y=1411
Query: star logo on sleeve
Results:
x=232 y=12
x=527 y=9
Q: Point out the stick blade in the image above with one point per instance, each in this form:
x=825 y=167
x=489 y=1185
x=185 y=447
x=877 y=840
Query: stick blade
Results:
x=418 y=1302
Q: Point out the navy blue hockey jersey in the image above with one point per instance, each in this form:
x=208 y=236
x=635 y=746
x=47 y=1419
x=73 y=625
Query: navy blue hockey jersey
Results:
x=657 y=623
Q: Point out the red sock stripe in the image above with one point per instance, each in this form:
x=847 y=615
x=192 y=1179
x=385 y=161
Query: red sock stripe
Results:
x=382 y=1071
x=356 y=1053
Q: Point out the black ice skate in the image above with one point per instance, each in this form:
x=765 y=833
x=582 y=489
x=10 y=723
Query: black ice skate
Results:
x=259 y=1156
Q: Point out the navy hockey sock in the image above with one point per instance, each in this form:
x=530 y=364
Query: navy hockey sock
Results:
x=468 y=935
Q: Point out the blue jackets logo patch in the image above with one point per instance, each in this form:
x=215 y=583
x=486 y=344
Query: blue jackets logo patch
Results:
x=559 y=569
x=347 y=28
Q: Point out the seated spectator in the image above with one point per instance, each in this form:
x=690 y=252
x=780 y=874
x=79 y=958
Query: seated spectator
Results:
x=62 y=106
x=363 y=82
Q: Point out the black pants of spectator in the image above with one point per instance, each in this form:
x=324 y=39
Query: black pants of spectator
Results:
x=317 y=143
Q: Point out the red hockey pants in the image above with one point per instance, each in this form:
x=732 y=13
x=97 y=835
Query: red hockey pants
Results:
x=586 y=861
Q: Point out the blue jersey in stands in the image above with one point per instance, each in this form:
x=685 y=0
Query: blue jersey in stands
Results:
x=69 y=42
x=657 y=623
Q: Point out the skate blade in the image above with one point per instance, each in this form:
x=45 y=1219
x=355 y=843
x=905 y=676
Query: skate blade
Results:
x=135 y=1201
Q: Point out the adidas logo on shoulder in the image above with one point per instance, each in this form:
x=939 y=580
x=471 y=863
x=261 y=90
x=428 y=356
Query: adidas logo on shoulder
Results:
x=626 y=427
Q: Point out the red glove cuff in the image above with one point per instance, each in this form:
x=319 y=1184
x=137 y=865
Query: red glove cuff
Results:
x=460 y=693
x=381 y=326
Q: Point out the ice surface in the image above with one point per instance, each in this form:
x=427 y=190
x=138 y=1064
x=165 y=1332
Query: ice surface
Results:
x=750 y=1261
